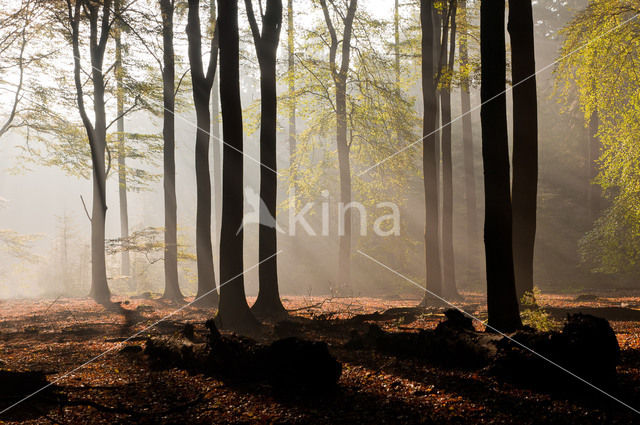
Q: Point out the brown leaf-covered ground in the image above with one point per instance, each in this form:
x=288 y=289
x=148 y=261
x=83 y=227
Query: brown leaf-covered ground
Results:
x=78 y=345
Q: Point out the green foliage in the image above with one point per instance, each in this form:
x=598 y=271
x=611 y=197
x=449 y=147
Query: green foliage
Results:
x=601 y=56
x=381 y=117
x=534 y=315
x=18 y=245
x=149 y=242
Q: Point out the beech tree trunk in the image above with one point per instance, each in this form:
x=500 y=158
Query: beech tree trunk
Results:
x=502 y=303
x=292 y=82
x=268 y=303
x=233 y=312
x=125 y=266
x=171 y=283
x=216 y=149
x=340 y=73
x=96 y=131
x=344 y=247
x=449 y=288
x=525 y=142
x=207 y=295
x=467 y=146
x=429 y=159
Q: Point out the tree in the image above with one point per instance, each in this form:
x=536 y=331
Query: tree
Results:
x=202 y=84
x=602 y=76
x=14 y=34
x=429 y=159
x=467 y=139
x=172 y=286
x=339 y=75
x=525 y=142
x=122 y=169
x=502 y=303
x=291 y=78
x=98 y=15
x=216 y=156
x=233 y=311
x=381 y=122
x=266 y=43
x=449 y=289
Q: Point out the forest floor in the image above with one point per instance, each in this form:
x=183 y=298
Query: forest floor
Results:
x=66 y=338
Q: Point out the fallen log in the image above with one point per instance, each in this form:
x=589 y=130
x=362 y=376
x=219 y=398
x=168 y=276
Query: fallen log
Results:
x=288 y=365
x=586 y=347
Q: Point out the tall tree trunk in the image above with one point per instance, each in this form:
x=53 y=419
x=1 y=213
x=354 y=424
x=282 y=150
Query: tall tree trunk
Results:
x=467 y=147
x=429 y=159
x=595 y=195
x=125 y=268
x=233 y=312
x=525 y=142
x=216 y=149
x=96 y=131
x=344 y=254
x=268 y=303
x=339 y=74
x=292 y=82
x=449 y=288
x=207 y=295
x=171 y=283
x=437 y=60
x=502 y=303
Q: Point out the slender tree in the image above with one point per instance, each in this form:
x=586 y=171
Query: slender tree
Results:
x=291 y=77
x=171 y=283
x=339 y=74
x=525 y=142
x=449 y=288
x=268 y=303
x=99 y=17
x=467 y=143
x=502 y=302
x=17 y=34
x=216 y=156
x=125 y=267
x=234 y=312
x=429 y=159
x=202 y=83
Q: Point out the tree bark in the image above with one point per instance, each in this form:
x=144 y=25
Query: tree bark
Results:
x=96 y=132
x=268 y=303
x=233 y=312
x=171 y=283
x=449 y=288
x=502 y=303
x=340 y=75
x=292 y=82
x=467 y=146
x=429 y=159
x=207 y=295
x=216 y=156
x=125 y=267
x=525 y=142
